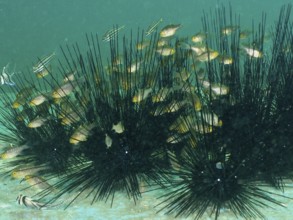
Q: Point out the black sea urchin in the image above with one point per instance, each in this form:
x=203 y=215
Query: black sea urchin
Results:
x=121 y=138
x=226 y=161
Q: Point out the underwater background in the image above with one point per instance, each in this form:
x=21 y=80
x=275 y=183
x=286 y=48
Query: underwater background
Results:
x=30 y=29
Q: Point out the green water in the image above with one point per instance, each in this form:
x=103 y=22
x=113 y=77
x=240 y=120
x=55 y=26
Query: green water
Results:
x=34 y=28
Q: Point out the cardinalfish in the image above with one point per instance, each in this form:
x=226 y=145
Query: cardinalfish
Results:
x=37 y=122
x=37 y=182
x=169 y=30
x=63 y=90
x=108 y=141
x=153 y=27
x=217 y=88
x=182 y=76
x=69 y=77
x=81 y=133
x=141 y=94
x=174 y=106
x=162 y=42
x=198 y=49
x=199 y=37
x=226 y=60
x=41 y=67
x=110 y=34
x=134 y=67
x=118 y=128
x=208 y=56
x=38 y=100
x=229 y=29
x=196 y=102
x=69 y=115
x=13 y=152
x=252 y=52
x=20 y=173
x=211 y=118
x=165 y=51
x=161 y=95
x=174 y=139
x=143 y=44
x=18 y=102
x=66 y=88
x=23 y=96
x=181 y=125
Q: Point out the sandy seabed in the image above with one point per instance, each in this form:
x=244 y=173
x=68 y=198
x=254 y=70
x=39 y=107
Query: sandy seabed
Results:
x=123 y=208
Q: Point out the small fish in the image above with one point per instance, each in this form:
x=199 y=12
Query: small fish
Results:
x=142 y=45
x=202 y=129
x=43 y=63
x=181 y=124
x=117 y=60
x=161 y=95
x=174 y=139
x=18 y=102
x=110 y=34
x=182 y=76
x=69 y=118
x=219 y=165
x=153 y=27
x=28 y=202
x=199 y=37
x=219 y=89
x=118 y=128
x=5 y=77
x=43 y=73
x=195 y=101
x=37 y=122
x=13 y=152
x=6 y=80
x=183 y=45
x=229 y=29
x=22 y=96
x=211 y=118
x=244 y=34
x=69 y=77
x=37 y=182
x=141 y=95
x=165 y=51
x=226 y=60
x=174 y=106
x=81 y=133
x=108 y=141
x=20 y=173
x=199 y=50
x=38 y=100
x=162 y=42
x=63 y=90
x=169 y=30
x=133 y=67
x=208 y=56
x=252 y=52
